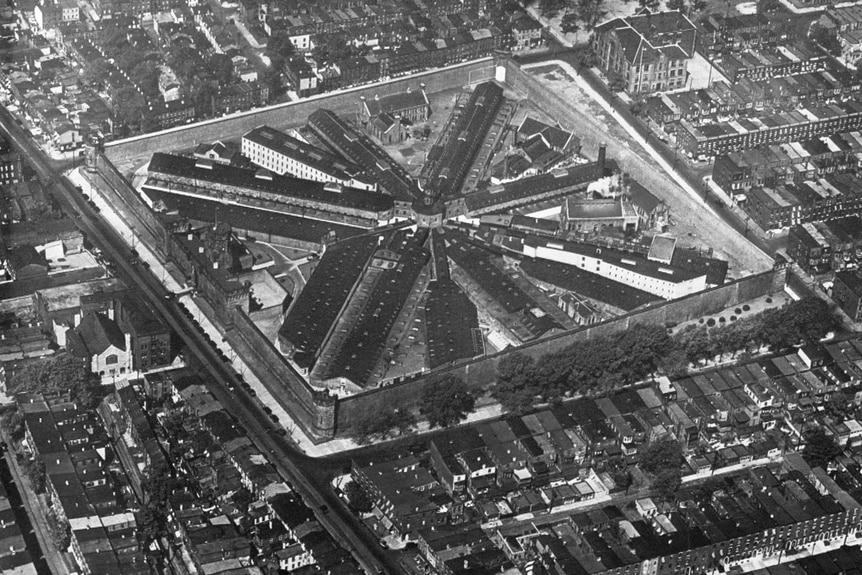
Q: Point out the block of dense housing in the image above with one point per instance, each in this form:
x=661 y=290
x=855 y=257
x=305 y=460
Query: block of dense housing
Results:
x=231 y=510
x=716 y=138
x=41 y=233
x=760 y=513
x=390 y=118
x=766 y=63
x=786 y=205
x=14 y=557
x=102 y=322
x=548 y=461
x=283 y=154
x=847 y=293
x=648 y=52
x=831 y=245
x=841 y=18
x=403 y=491
x=723 y=100
x=10 y=165
x=461 y=549
x=83 y=485
x=790 y=162
x=137 y=446
x=720 y=33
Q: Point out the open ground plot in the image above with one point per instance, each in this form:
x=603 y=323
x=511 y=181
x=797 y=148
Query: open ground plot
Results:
x=691 y=223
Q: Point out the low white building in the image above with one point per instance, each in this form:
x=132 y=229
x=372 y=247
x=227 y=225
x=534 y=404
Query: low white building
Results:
x=285 y=155
x=663 y=280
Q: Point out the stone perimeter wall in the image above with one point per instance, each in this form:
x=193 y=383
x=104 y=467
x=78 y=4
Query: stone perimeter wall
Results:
x=293 y=113
x=480 y=373
x=321 y=418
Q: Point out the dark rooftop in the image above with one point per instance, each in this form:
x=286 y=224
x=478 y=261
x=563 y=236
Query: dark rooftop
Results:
x=242 y=218
x=321 y=301
x=588 y=284
x=359 y=149
x=358 y=355
x=201 y=173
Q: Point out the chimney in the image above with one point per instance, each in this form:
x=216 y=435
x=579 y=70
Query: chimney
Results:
x=601 y=160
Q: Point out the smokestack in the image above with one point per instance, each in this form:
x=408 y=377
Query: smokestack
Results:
x=601 y=159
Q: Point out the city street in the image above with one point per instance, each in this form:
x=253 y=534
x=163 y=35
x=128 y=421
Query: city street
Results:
x=302 y=472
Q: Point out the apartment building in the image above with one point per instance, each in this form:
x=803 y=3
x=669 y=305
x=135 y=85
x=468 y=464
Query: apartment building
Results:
x=701 y=141
x=650 y=52
x=786 y=205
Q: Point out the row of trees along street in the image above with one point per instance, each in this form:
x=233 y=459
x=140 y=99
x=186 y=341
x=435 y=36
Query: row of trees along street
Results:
x=603 y=364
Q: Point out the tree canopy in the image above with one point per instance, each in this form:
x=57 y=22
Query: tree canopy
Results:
x=570 y=23
x=221 y=67
x=664 y=454
x=446 y=401
x=58 y=374
x=820 y=449
x=827 y=39
x=515 y=382
x=605 y=363
x=334 y=47
x=358 y=497
x=666 y=483
x=279 y=48
x=381 y=423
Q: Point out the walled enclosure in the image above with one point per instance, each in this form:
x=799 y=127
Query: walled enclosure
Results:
x=480 y=373
x=321 y=417
x=293 y=113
